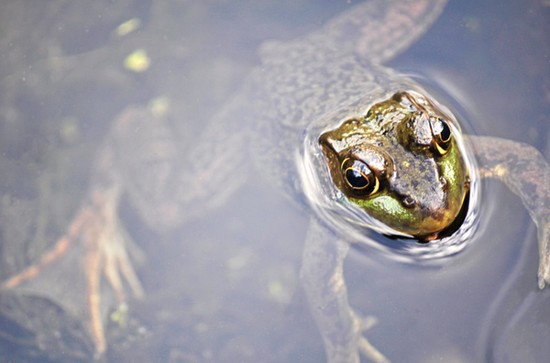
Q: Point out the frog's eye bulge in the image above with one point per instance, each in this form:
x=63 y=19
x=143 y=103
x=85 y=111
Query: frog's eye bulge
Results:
x=422 y=129
x=442 y=135
x=360 y=179
x=423 y=134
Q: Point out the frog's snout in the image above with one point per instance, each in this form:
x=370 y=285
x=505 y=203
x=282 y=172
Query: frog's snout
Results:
x=430 y=207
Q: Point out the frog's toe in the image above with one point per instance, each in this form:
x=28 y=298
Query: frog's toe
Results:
x=117 y=265
x=544 y=275
x=544 y=253
x=366 y=322
x=369 y=351
x=365 y=347
x=108 y=258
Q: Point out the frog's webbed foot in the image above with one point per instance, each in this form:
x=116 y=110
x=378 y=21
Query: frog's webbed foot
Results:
x=106 y=254
x=342 y=329
x=525 y=171
x=544 y=255
x=104 y=240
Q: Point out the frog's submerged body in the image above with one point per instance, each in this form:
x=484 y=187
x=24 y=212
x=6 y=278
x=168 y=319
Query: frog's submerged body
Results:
x=303 y=89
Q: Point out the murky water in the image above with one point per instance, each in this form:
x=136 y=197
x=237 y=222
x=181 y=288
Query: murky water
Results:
x=224 y=286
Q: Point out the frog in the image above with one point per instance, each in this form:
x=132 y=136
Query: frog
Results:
x=353 y=143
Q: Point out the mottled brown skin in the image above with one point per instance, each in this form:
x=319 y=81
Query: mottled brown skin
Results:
x=525 y=171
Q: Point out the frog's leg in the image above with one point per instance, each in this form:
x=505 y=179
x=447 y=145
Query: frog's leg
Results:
x=323 y=279
x=219 y=163
x=97 y=225
x=140 y=158
x=381 y=29
x=525 y=171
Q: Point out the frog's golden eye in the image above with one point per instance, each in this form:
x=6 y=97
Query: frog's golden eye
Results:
x=359 y=177
x=442 y=135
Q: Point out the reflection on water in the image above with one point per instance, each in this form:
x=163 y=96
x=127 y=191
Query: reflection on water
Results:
x=233 y=293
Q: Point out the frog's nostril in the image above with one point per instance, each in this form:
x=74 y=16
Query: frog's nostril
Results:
x=409 y=202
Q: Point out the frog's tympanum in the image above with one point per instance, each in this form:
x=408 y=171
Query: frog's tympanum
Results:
x=324 y=122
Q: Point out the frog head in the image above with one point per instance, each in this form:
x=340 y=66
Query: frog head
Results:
x=401 y=163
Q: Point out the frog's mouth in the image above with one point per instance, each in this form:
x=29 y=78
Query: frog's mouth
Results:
x=450 y=229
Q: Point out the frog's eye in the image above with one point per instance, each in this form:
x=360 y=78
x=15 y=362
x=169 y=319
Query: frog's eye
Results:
x=359 y=177
x=442 y=135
